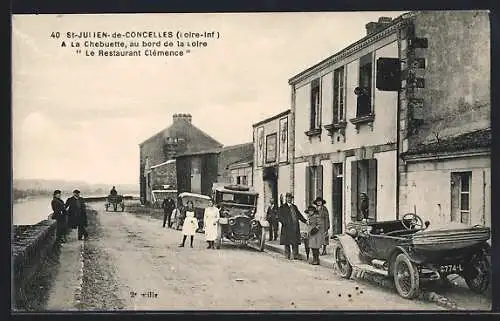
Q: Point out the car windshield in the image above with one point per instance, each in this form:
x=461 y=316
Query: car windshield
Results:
x=240 y=199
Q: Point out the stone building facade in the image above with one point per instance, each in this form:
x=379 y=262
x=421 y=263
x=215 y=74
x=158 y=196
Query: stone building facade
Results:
x=158 y=151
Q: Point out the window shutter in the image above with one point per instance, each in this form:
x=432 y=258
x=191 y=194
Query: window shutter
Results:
x=372 y=189
x=455 y=197
x=319 y=181
x=308 y=185
x=354 y=191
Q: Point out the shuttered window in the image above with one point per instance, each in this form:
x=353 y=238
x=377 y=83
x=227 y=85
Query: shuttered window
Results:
x=364 y=180
x=315 y=109
x=314 y=183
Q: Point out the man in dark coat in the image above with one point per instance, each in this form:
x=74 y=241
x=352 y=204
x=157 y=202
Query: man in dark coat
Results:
x=289 y=217
x=113 y=191
x=272 y=218
x=77 y=214
x=168 y=207
x=60 y=215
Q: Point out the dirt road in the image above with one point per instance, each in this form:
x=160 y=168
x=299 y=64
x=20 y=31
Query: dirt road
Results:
x=132 y=263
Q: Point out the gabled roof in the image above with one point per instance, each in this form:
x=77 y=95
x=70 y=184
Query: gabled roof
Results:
x=248 y=160
x=196 y=139
x=478 y=139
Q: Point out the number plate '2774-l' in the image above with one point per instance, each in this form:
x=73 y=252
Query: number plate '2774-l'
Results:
x=451 y=268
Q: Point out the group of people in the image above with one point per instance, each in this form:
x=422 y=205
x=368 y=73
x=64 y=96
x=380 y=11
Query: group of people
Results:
x=190 y=221
x=288 y=215
x=71 y=214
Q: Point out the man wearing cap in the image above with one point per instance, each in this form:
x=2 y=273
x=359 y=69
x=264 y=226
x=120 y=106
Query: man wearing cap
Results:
x=272 y=218
x=324 y=225
x=289 y=217
x=60 y=215
x=77 y=214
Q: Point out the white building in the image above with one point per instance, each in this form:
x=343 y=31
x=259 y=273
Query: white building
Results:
x=272 y=157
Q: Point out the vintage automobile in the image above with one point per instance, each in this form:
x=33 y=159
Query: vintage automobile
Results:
x=200 y=202
x=238 y=222
x=411 y=251
x=115 y=201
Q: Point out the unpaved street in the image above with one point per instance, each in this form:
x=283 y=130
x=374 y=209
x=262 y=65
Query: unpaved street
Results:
x=130 y=255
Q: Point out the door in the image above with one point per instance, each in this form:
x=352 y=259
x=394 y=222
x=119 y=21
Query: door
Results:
x=337 y=198
x=196 y=175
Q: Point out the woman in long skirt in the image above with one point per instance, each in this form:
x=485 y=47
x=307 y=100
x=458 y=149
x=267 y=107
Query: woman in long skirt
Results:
x=210 y=224
x=190 y=225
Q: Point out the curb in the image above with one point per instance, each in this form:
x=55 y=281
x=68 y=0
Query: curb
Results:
x=324 y=262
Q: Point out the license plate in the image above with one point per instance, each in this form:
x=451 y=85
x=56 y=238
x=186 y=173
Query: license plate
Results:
x=451 y=268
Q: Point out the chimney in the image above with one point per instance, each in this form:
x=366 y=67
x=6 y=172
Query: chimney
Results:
x=373 y=27
x=185 y=117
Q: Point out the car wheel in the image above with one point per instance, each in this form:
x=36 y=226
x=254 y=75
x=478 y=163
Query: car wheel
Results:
x=477 y=273
x=406 y=277
x=262 y=243
x=342 y=265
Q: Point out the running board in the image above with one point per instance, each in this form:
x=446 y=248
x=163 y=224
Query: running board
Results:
x=370 y=268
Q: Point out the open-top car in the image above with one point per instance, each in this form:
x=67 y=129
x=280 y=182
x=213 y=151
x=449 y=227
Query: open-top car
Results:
x=238 y=222
x=200 y=202
x=115 y=201
x=411 y=251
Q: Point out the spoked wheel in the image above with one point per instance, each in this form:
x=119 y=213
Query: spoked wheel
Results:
x=341 y=263
x=477 y=273
x=123 y=208
x=406 y=277
x=262 y=242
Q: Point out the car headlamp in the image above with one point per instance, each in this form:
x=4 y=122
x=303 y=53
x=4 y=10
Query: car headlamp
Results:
x=232 y=221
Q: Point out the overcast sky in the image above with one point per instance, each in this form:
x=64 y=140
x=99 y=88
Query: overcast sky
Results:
x=82 y=118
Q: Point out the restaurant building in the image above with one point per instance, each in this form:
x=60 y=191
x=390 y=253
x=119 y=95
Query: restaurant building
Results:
x=357 y=113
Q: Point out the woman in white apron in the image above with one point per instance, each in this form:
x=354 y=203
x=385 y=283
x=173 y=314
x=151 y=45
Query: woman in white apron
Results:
x=190 y=224
x=210 y=224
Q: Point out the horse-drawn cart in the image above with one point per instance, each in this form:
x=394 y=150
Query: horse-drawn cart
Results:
x=115 y=201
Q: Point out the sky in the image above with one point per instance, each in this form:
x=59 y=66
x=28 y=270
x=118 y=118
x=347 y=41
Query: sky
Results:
x=83 y=118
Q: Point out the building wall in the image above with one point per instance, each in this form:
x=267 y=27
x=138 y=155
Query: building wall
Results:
x=385 y=107
x=299 y=192
x=243 y=171
x=456 y=95
x=230 y=155
x=429 y=190
x=165 y=175
x=457 y=73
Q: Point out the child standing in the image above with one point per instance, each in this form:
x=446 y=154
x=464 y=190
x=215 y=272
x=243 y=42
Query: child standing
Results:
x=190 y=224
x=210 y=222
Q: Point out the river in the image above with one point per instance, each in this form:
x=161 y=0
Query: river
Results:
x=32 y=210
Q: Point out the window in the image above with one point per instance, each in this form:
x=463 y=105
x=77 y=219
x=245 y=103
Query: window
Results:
x=364 y=104
x=315 y=120
x=238 y=180
x=338 y=95
x=364 y=190
x=314 y=183
x=244 y=180
x=460 y=197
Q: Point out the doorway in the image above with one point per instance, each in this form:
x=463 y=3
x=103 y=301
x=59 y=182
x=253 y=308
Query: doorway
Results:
x=270 y=178
x=337 y=197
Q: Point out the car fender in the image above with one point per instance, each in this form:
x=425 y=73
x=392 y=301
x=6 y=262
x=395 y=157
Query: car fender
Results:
x=351 y=248
x=411 y=256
